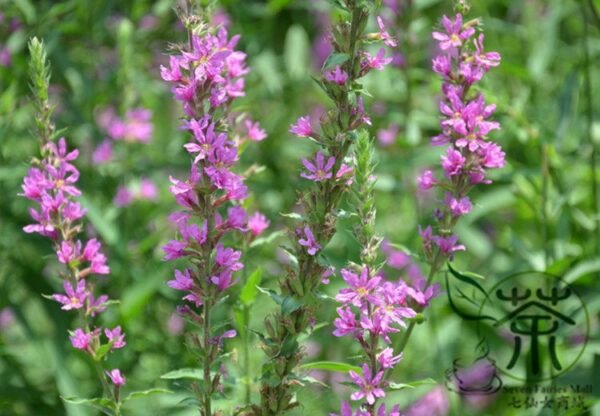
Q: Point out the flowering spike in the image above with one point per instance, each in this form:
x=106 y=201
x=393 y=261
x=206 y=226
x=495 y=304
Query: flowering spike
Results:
x=51 y=183
x=207 y=76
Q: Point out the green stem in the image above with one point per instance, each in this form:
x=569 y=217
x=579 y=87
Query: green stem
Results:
x=246 y=353
x=589 y=123
x=207 y=361
x=435 y=267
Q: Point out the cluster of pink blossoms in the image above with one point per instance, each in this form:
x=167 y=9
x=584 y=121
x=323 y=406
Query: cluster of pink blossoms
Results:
x=52 y=185
x=320 y=168
x=136 y=126
x=373 y=309
x=206 y=78
x=465 y=127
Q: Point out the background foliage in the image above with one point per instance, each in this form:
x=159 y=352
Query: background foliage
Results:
x=541 y=212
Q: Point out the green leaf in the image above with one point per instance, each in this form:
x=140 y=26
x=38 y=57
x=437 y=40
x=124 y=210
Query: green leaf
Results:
x=100 y=403
x=465 y=277
x=290 y=305
x=103 y=220
x=293 y=215
x=411 y=385
x=102 y=351
x=27 y=9
x=335 y=59
x=330 y=366
x=296 y=53
x=250 y=289
x=144 y=393
x=582 y=269
x=267 y=239
x=194 y=373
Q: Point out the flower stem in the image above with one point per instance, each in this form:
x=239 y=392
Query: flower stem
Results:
x=207 y=360
x=589 y=123
x=435 y=267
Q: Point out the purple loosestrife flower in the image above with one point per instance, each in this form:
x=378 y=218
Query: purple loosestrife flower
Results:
x=80 y=339
x=254 y=132
x=207 y=76
x=465 y=126
x=302 y=128
x=360 y=292
x=378 y=61
x=308 y=240
x=257 y=223
x=116 y=377
x=75 y=298
x=373 y=308
x=337 y=76
x=455 y=33
x=335 y=131
x=319 y=170
x=385 y=36
x=369 y=384
x=116 y=337
x=52 y=185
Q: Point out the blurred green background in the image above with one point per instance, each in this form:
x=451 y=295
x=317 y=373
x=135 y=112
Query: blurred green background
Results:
x=539 y=214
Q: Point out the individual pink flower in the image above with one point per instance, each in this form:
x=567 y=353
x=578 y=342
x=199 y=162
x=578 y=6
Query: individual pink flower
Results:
x=148 y=190
x=346 y=322
x=103 y=153
x=448 y=245
x=370 y=386
x=97 y=259
x=308 y=241
x=124 y=197
x=387 y=38
x=254 y=132
x=458 y=207
x=116 y=337
x=426 y=180
x=74 y=298
x=337 y=76
x=455 y=33
x=138 y=125
x=80 y=339
x=453 y=162
x=378 y=61
x=257 y=223
x=361 y=288
x=387 y=136
x=387 y=359
x=116 y=377
x=319 y=170
x=183 y=280
x=302 y=128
